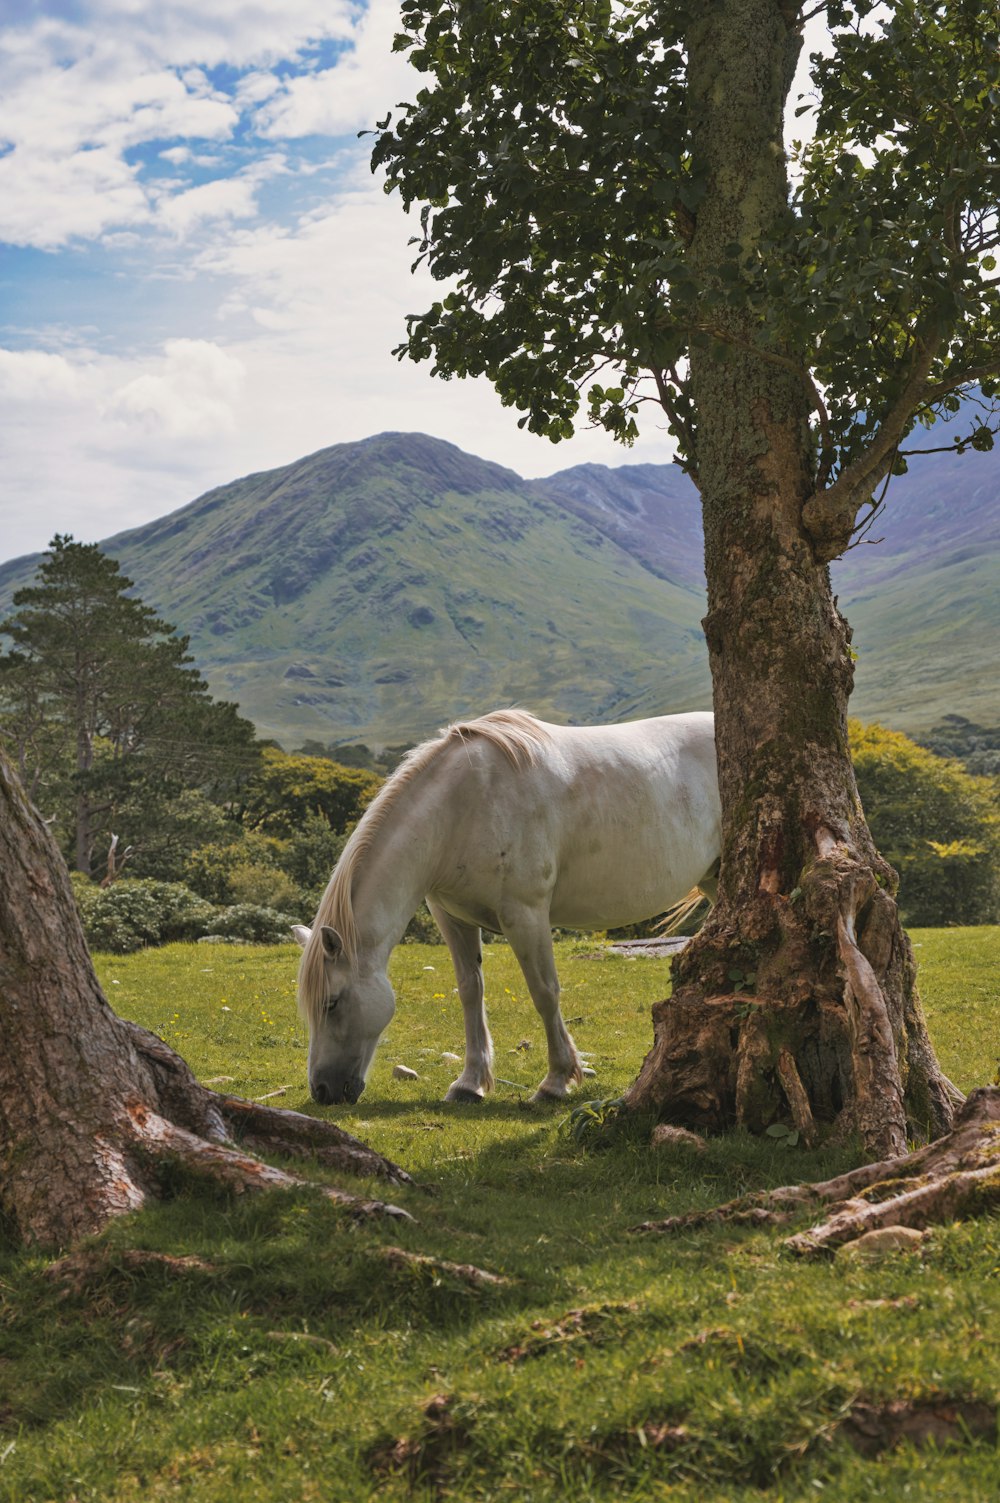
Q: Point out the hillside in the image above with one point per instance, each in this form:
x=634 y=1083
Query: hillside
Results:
x=921 y=593
x=374 y=590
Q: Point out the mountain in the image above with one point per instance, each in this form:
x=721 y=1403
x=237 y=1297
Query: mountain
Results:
x=920 y=590
x=375 y=590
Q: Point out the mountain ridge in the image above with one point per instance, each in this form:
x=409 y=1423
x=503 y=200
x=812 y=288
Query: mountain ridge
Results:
x=374 y=590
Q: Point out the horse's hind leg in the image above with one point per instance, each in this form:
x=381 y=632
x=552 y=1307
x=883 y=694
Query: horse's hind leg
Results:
x=464 y=943
x=530 y=938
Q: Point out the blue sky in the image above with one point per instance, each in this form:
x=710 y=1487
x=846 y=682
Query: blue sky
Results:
x=199 y=276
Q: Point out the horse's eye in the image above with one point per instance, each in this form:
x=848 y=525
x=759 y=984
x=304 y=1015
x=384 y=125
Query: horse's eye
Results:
x=331 y=1003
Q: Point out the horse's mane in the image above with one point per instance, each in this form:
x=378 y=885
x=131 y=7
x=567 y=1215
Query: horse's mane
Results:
x=516 y=733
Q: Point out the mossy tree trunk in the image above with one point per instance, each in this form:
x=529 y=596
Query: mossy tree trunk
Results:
x=797 y=1000
x=94 y=1109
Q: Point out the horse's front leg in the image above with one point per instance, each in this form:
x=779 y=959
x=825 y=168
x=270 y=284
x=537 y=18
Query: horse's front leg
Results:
x=465 y=945
x=530 y=938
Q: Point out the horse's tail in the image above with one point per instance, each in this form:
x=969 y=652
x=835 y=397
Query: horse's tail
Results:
x=703 y=892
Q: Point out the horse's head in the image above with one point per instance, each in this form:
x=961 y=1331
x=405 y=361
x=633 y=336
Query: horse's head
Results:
x=347 y=1010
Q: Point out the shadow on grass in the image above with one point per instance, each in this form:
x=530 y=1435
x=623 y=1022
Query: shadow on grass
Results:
x=201 y=1280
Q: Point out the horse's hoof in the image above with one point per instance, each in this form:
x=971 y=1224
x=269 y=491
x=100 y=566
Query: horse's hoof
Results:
x=559 y=1097
x=463 y=1095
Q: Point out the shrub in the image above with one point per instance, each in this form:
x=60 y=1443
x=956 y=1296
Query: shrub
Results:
x=265 y=886
x=209 y=869
x=422 y=930
x=936 y=823
x=253 y=923
x=290 y=789
x=312 y=852
x=139 y=911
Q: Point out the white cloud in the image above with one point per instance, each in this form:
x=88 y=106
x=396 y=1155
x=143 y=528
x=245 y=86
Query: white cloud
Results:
x=46 y=201
x=33 y=375
x=226 y=198
x=348 y=97
x=77 y=99
x=193 y=395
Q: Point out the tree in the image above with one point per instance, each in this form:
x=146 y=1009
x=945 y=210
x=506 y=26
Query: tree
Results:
x=288 y=791
x=96 y=1113
x=939 y=826
x=608 y=188
x=109 y=721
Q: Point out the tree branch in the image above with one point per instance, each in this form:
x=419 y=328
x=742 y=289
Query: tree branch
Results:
x=829 y=515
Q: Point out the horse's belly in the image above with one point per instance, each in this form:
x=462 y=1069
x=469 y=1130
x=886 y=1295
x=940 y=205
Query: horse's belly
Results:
x=628 y=880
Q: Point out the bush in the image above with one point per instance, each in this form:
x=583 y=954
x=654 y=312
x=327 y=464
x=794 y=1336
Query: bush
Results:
x=936 y=823
x=312 y=852
x=265 y=886
x=288 y=790
x=422 y=930
x=209 y=869
x=139 y=911
x=253 y=923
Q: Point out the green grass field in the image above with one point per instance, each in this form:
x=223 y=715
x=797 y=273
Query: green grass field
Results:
x=292 y=1360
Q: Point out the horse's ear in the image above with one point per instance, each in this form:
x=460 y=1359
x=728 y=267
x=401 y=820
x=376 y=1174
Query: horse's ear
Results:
x=332 y=943
x=302 y=934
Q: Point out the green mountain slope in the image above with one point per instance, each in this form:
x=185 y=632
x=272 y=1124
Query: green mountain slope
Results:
x=922 y=592
x=375 y=590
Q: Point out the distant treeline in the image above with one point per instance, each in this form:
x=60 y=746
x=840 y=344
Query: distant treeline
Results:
x=977 y=747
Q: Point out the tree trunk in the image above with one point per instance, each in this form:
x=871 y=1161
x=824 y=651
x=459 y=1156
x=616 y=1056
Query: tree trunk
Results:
x=797 y=1001
x=92 y=1108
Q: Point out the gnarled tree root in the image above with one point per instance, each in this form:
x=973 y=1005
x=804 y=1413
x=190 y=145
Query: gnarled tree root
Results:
x=800 y=1009
x=261 y=1129
x=956 y=1175
x=96 y=1112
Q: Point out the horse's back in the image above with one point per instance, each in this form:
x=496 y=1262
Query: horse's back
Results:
x=606 y=826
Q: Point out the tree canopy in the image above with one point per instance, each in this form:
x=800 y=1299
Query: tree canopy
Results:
x=558 y=153
x=291 y=790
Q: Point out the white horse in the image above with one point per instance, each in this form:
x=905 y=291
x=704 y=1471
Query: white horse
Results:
x=511 y=825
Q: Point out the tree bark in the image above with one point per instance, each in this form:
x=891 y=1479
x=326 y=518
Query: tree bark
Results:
x=797 y=1001
x=93 y=1109
x=957 y=1175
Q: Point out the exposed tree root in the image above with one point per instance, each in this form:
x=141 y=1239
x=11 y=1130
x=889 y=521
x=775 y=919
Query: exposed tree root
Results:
x=96 y=1114
x=425 y=1457
x=80 y=1271
x=263 y=1129
x=957 y=1175
x=874 y=1428
x=800 y=1008
x=464 y=1273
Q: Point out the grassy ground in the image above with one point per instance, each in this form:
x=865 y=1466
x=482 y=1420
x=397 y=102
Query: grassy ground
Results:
x=291 y=1360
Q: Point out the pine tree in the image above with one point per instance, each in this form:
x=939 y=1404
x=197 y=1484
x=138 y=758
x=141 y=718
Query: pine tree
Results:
x=102 y=708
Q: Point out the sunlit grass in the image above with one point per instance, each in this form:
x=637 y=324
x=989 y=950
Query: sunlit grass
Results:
x=298 y=1364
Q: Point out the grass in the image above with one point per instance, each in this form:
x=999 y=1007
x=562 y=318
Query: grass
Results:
x=293 y=1361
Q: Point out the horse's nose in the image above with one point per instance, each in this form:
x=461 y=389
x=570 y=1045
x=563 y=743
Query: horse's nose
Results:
x=334 y=1092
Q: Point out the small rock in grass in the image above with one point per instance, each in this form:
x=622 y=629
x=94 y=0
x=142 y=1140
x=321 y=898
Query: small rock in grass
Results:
x=586 y=1070
x=452 y=1059
x=403 y=1072
x=884 y=1239
x=666 y=1136
x=524 y=1044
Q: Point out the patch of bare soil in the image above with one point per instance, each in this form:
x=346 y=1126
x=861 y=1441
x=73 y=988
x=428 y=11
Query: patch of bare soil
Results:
x=593 y=1324
x=874 y=1428
x=424 y=1458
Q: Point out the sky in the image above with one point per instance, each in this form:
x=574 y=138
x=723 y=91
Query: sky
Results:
x=199 y=276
